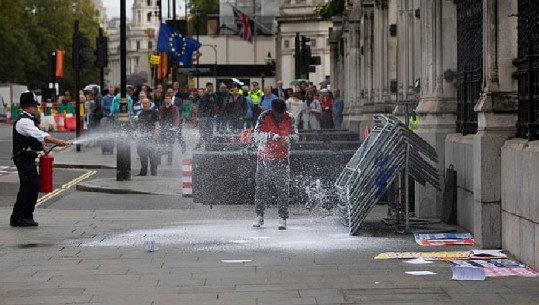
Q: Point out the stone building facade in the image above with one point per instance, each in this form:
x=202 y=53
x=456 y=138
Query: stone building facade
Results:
x=141 y=32
x=298 y=16
x=478 y=105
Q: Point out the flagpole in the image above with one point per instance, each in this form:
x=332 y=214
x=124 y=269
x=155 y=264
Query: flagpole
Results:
x=262 y=26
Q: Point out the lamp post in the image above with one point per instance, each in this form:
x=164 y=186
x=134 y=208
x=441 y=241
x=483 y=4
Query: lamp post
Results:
x=270 y=62
x=123 y=147
x=214 y=47
x=196 y=10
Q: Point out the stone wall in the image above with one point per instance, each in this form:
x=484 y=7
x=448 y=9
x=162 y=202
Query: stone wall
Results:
x=520 y=200
x=459 y=153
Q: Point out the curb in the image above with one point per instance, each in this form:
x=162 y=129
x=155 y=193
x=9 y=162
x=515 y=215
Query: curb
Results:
x=85 y=166
x=100 y=189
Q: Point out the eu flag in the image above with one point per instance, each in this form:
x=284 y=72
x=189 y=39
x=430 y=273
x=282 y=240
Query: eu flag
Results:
x=178 y=45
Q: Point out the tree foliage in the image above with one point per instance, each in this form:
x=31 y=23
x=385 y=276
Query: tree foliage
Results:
x=330 y=9
x=207 y=7
x=31 y=29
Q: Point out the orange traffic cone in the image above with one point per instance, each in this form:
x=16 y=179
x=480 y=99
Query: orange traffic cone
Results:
x=61 y=124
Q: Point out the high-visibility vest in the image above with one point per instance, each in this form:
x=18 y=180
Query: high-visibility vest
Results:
x=255 y=96
x=413 y=123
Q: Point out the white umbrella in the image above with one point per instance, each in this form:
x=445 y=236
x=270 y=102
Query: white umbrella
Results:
x=91 y=87
x=237 y=81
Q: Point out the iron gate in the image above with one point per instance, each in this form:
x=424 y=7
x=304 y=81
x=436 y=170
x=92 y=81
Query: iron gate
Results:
x=528 y=70
x=469 y=62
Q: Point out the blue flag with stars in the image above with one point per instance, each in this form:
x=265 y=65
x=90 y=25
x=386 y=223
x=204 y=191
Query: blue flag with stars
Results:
x=177 y=44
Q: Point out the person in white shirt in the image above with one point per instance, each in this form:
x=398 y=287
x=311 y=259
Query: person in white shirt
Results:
x=294 y=105
x=28 y=140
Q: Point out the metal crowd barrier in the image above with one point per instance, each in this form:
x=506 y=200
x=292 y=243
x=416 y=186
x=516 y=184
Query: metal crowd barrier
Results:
x=389 y=149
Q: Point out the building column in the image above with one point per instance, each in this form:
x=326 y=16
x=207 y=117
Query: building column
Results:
x=437 y=106
x=496 y=118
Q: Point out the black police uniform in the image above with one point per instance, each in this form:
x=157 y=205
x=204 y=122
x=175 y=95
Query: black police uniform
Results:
x=25 y=151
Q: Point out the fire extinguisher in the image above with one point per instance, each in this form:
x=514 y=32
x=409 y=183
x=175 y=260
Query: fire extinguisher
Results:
x=46 y=167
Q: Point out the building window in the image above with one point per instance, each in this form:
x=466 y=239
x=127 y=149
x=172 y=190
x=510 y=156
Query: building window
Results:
x=313 y=42
x=139 y=18
x=150 y=45
x=149 y=2
x=286 y=43
x=138 y=45
x=149 y=17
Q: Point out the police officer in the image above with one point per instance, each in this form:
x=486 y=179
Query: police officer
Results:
x=256 y=96
x=28 y=140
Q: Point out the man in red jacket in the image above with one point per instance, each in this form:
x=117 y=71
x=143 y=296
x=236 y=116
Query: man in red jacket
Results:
x=275 y=130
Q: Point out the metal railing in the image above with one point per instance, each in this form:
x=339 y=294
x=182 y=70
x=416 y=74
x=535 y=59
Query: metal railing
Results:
x=389 y=149
x=528 y=70
x=469 y=62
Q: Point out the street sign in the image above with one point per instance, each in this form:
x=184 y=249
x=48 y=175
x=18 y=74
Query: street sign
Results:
x=154 y=59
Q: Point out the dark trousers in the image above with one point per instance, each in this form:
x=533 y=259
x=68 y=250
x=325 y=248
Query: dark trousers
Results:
x=249 y=123
x=206 y=128
x=272 y=181
x=235 y=124
x=28 y=190
x=180 y=139
x=167 y=139
x=147 y=152
x=256 y=112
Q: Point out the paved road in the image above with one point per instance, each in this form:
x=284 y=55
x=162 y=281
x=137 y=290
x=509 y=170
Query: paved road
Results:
x=89 y=249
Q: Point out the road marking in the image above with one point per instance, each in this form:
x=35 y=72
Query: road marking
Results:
x=65 y=187
x=7 y=169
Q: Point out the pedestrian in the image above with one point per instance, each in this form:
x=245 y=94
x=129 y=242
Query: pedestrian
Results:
x=279 y=91
x=250 y=109
x=294 y=105
x=256 y=94
x=169 y=121
x=236 y=108
x=205 y=116
x=267 y=99
x=326 y=102
x=312 y=112
x=148 y=129
x=106 y=102
x=28 y=140
x=275 y=130
x=97 y=111
x=222 y=96
x=115 y=107
x=338 y=108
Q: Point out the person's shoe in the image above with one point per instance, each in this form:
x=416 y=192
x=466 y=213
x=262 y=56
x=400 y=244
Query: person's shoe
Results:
x=282 y=224
x=23 y=223
x=259 y=221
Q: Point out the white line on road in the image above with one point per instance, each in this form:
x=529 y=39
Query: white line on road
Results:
x=65 y=187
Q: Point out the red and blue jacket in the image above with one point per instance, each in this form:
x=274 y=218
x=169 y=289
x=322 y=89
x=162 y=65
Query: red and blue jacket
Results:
x=267 y=127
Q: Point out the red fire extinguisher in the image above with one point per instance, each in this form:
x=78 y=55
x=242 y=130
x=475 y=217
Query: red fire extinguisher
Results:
x=46 y=167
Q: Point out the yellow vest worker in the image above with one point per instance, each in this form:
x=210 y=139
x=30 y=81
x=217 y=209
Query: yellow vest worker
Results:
x=413 y=122
x=255 y=94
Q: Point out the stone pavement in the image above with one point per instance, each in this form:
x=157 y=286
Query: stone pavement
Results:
x=212 y=255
